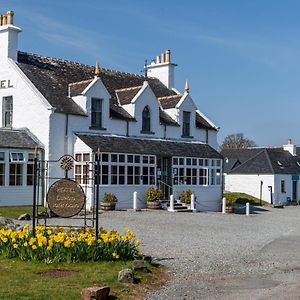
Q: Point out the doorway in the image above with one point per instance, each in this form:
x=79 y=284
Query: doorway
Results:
x=294 y=190
x=164 y=176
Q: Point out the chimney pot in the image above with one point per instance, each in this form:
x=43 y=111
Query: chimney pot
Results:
x=157 y=59
x=168 y=56
x=162 y=60
x=289 y=141
x=1 y=18
x=10 y=17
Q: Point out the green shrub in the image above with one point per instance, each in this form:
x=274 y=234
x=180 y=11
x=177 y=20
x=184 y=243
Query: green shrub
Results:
x=185 y=196
x=153 y=194
x=109 y=198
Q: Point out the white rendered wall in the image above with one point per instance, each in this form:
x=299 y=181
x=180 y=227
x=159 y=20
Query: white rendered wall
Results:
x=208 y=198
x=250 y=184
x=29 y=110
x=282 y=196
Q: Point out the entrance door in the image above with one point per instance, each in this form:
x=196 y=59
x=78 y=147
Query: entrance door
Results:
x=294 y=190
x=164 y=175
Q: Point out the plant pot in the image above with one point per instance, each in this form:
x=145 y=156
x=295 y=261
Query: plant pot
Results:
x=154 y=205
x=108 y=205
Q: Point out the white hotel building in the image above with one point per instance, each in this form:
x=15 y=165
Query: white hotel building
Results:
x=146 y=130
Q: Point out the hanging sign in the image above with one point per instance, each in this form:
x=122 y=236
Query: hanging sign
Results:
x=65 y=198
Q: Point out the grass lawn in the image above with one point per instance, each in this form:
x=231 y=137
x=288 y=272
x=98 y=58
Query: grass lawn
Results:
x=242 y=198
x=14 y=212
x=31 y=280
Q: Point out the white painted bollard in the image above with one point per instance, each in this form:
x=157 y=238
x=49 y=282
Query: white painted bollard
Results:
x=135 y=200
x=171 y=203
x=247 y=209
x=193 y=202
x=224 y=205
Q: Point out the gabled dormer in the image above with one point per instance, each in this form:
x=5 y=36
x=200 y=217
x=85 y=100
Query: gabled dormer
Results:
x=142 y=104
x=92 y=96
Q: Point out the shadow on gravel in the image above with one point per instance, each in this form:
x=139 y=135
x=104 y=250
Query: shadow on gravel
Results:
x=240 y=209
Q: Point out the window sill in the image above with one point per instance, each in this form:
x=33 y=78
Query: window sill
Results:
x=187 y=136
x=147 y=132
x=97 y=128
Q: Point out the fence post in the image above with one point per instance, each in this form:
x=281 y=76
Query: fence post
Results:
x=247 y=209
x=171 y=203
x=224 y=205
x=135 y=200
x=193 y=202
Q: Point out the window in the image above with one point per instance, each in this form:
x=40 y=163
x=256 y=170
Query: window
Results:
x=2 y=168
x=121 y=169
x=30 y=169
x=82 y=168
x=193 y=171
x=7 y=111
x=146 y=120
x=16 y=157
x=15 y=174
x=186 y=123
x=96 y=113
x=282 y=186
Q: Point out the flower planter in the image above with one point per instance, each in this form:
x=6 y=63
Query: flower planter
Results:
x=108 y=205
x=154 y=205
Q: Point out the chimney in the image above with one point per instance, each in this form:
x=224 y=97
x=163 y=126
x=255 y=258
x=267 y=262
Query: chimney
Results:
x=163 y=69
x=8 y=37
x=290 y=147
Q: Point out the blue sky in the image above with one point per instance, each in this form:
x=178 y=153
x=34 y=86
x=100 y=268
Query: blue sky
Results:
x=242 y=57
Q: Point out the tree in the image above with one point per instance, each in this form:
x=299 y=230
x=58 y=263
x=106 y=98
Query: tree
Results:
x=237 y=140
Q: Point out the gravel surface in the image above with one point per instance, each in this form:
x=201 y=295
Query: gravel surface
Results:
x=215 y=256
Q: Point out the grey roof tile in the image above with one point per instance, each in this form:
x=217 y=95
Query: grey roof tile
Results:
x=13 y=138
x=148 y=146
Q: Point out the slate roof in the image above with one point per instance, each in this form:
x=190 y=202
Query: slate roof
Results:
x=20 y=139
x=261 y=161
x=169 y=101
x=165 y=119
x=202 y=123
x=52 y=77
x=126 y=95
x=148 y=146
x=76 y=88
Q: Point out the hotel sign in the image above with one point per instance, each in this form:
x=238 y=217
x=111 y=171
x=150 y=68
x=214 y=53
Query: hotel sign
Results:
x=65 y=198
x=5 y=84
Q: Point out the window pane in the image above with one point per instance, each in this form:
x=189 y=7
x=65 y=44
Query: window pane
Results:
x=105 y=157
x=121 y=158
x=86 y=157
x=130 y=158
x=78 y=157
x=114 y=157
x=137 y=159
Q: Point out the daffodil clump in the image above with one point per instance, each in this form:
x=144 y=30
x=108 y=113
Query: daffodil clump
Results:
x=52 y=245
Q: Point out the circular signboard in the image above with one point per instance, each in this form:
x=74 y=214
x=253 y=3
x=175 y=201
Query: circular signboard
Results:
x=65 y=198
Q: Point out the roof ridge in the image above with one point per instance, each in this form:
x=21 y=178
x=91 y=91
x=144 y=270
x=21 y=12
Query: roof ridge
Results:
x=129 y=88
x=169 y=97
x=79 y=63
x=82 y=81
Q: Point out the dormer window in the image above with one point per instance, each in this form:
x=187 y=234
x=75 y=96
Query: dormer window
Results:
x=96 y=113
x=146 y=120
x=7 y=111
x=186 y=124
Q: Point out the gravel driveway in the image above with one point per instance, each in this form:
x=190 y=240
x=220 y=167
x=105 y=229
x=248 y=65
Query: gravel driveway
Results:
x=215 y=256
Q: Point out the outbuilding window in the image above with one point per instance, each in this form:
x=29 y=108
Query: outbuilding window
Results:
x=283 y=186
x=146 y=122
x=7 y=111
